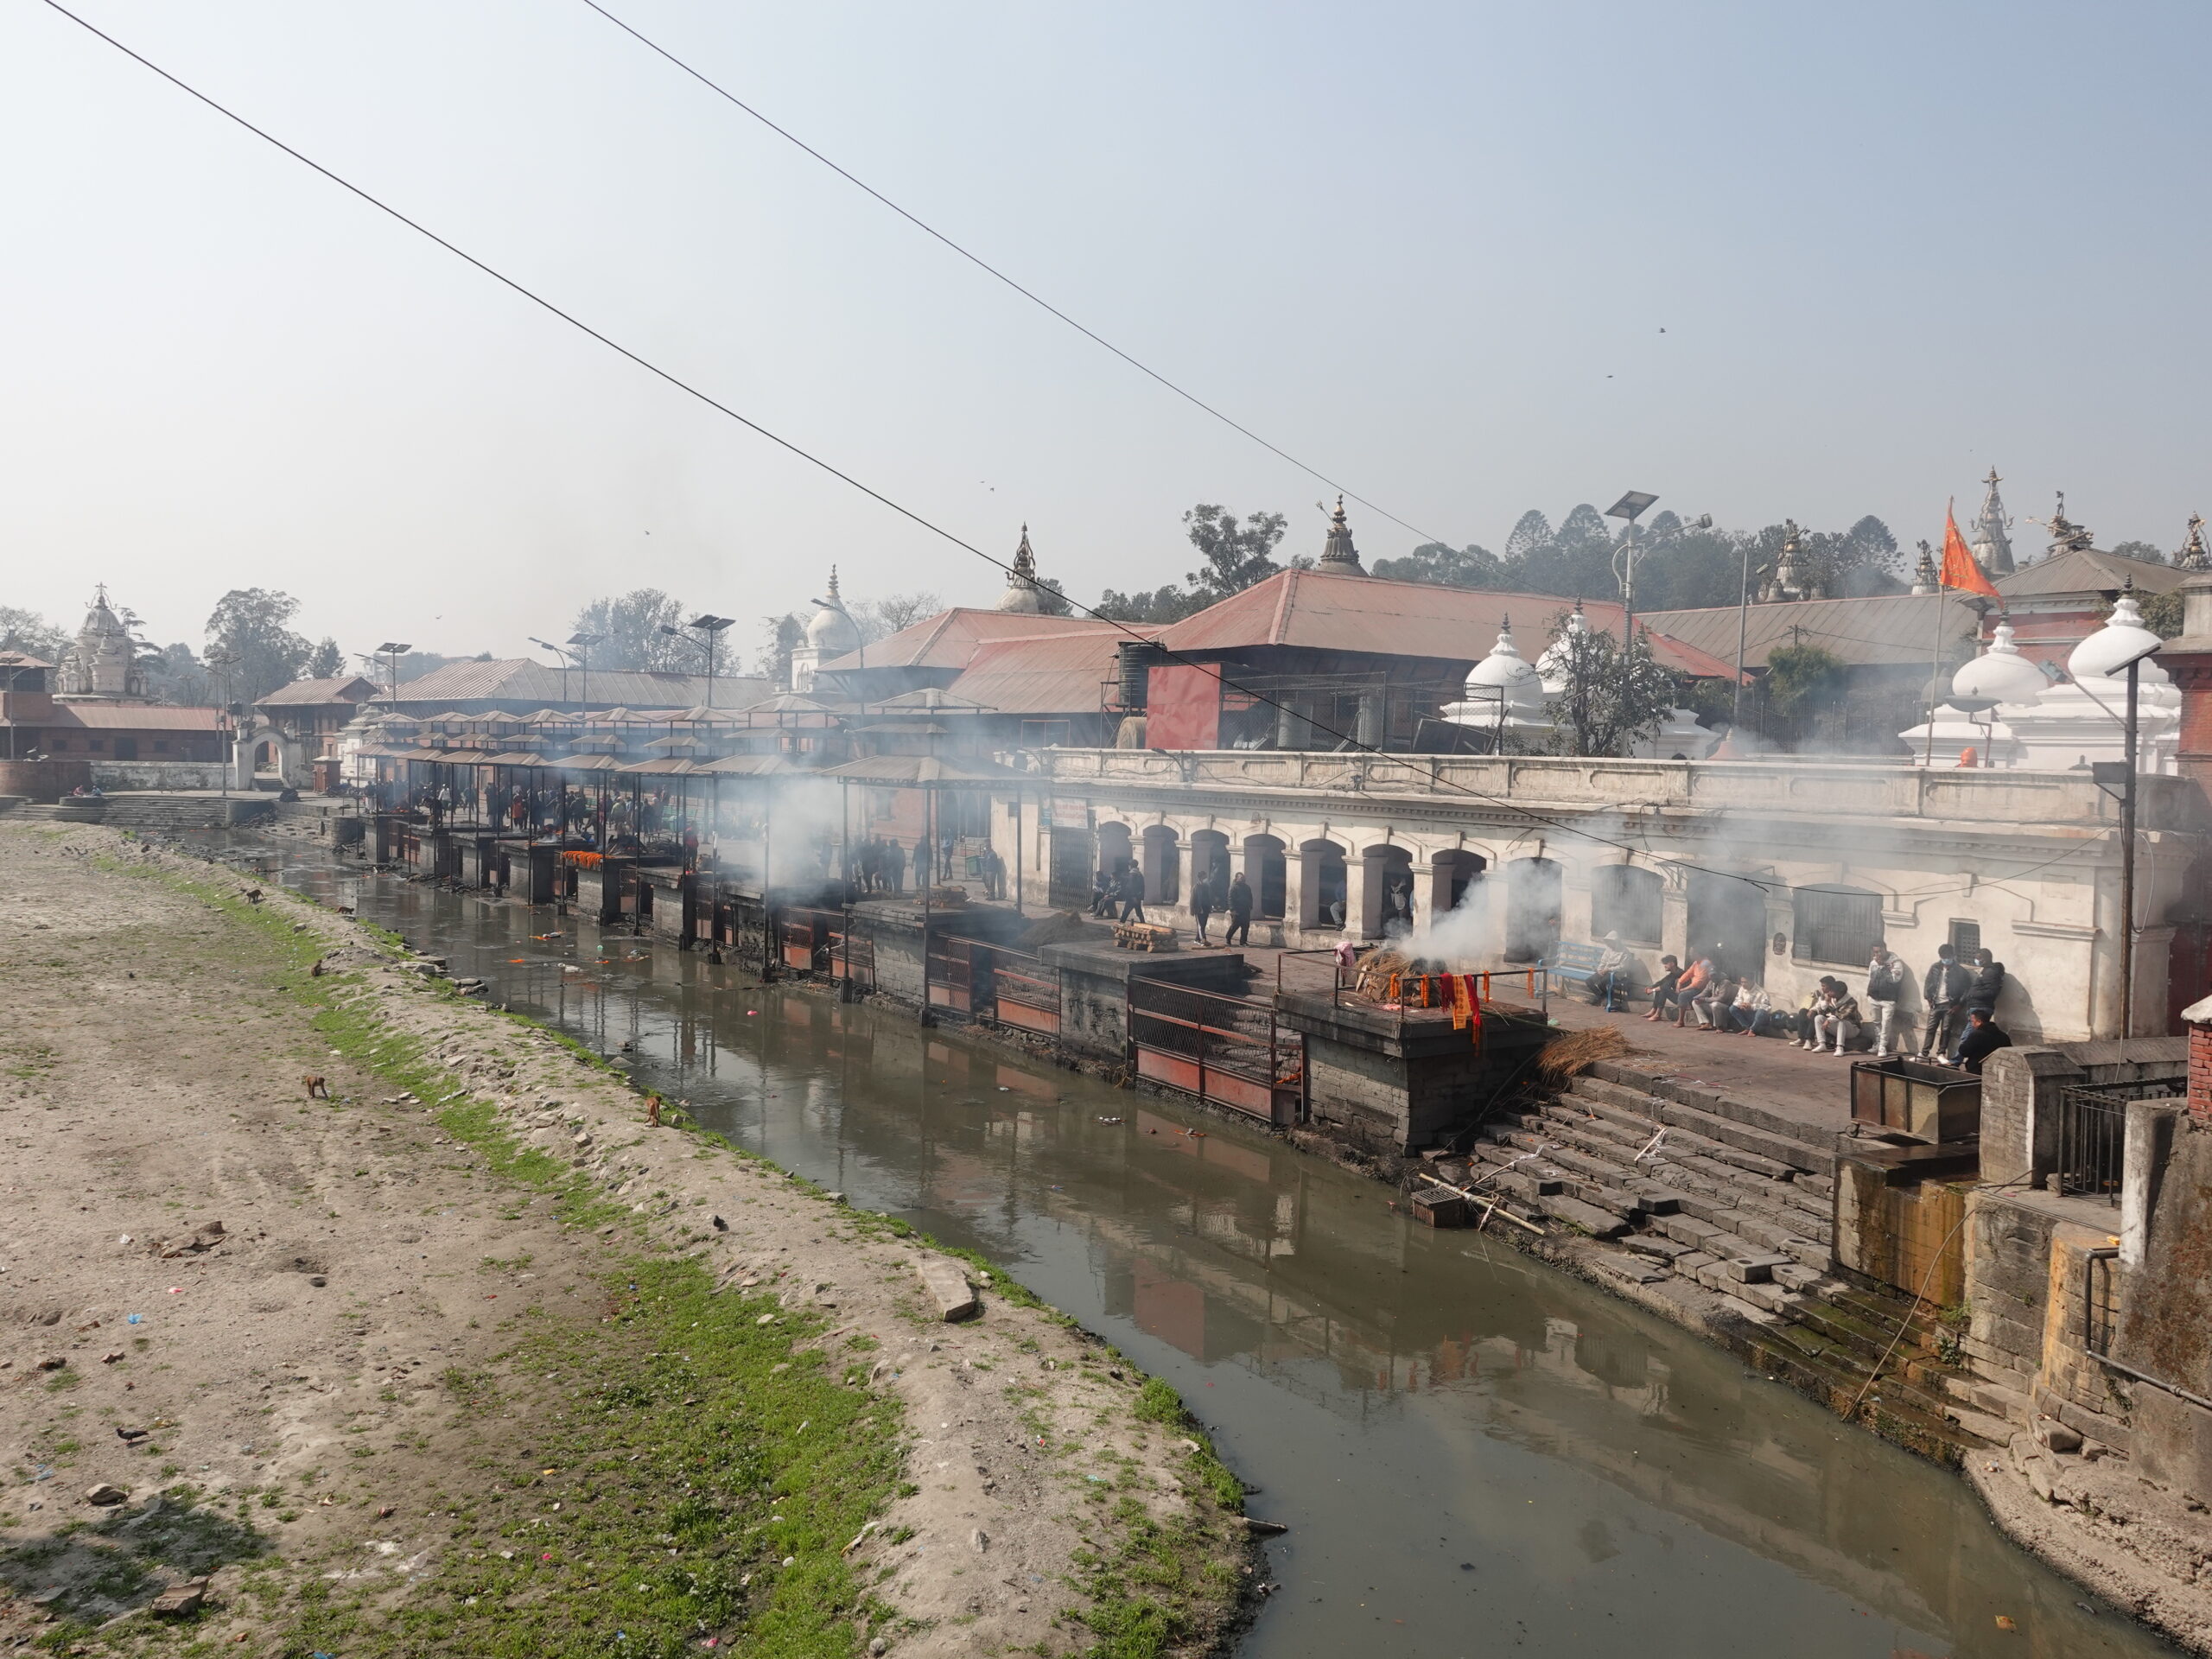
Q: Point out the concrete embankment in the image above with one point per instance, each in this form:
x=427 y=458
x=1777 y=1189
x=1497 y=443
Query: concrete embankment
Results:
x=395 y=1319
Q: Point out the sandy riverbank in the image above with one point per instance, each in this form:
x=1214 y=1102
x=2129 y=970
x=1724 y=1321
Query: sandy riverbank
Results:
x=480 y=1363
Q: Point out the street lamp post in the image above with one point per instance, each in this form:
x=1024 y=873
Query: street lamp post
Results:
x=2130 y=784
x=584 y=642
x=547 y=644
x=1629 y=508
x=711 y=627
x=225 y=731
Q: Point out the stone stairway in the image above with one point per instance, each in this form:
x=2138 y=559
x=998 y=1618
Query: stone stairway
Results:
x=165 y=813
x=88 y=810
x=1678 y=1184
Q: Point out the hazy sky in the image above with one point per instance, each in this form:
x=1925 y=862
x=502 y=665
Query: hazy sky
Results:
x=1430 y=249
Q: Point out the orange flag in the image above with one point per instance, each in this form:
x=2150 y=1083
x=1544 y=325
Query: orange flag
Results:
x=1960 y=569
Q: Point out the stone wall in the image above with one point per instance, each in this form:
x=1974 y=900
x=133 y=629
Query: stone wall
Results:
x=43 y=781
x=158 y=775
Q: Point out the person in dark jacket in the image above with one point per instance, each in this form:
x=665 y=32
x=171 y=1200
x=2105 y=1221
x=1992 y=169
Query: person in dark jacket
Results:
x=1240 y=913
x=1202 y=906
x=1983 y=1037
x=1102 y=893
x=1983 y=989
x=1941 y=989
x=1133 y=894
x=1662 y=987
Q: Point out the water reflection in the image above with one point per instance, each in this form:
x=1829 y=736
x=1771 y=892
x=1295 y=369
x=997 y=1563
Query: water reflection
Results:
x=1475 y=1452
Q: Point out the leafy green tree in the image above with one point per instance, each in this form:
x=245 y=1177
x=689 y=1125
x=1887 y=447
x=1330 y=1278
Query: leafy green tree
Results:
x=1444 y=567
x=32 y=635
x=1612 y=695
x=1530 y=531
x=174 y=675
x=2144 y=551
x=1806 y=687
x=877 y=618
x=1163 y=604
x=630 y=638
x=779 y=637
x=329 y=661
x=250 y=626
x=2161 y=611
x=1237 y=554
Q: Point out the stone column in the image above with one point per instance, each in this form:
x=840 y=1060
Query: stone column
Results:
x=1370 y=729
x=2019 y=1112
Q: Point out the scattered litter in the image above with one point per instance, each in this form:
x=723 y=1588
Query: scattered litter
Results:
x=2005 y=1624
x=1113 y=1119
x=136 y=1318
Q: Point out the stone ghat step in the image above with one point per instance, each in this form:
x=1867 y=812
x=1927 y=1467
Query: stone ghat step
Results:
x=1766 y=1210
x=1904 y=1413
x=1800 y=1147
x=1720 y=1169
x=63 y=811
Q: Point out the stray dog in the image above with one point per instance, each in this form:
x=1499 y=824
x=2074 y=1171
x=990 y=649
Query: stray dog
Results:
x=316 y=1088
x=652 y=1111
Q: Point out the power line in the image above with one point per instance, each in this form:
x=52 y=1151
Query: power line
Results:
x=985 y=265
x=1345 y=739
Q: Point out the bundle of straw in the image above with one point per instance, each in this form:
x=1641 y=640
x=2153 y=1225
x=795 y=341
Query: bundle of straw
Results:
x=1578 y=1051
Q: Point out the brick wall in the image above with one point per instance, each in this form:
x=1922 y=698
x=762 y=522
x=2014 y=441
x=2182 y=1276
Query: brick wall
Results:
x=2200 y=1071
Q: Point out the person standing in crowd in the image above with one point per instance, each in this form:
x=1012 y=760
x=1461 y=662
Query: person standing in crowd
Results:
x=1663 y=987
x=1886 y=983
x=1608 y=979
x=1102 y=893
x=921 y=862
x=1982 y=1037
x=894 y=866
x=1133 y=894
x=1240 y=913
x=1202 y=906
x=1943 y=988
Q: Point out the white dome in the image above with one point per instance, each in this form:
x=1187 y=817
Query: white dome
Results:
x=1505 y=670
x=832 y=633
x=2109 y=648
x=1551 y=667
x=2000 y=674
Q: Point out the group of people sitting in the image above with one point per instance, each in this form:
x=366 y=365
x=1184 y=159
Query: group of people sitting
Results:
x=1960 y=996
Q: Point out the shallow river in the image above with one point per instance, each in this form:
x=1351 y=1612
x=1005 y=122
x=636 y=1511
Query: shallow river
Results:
x=1475 y=1453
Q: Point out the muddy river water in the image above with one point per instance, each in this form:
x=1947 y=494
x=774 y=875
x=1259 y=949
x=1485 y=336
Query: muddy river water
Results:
x=1475 y=1453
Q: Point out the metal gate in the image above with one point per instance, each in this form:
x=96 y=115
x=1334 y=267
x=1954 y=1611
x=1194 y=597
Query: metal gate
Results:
x=1024 y=991
x=1228 y=1050
x=952 y=973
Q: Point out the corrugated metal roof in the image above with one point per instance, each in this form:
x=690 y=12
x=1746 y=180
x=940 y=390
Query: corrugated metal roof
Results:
x=340 y=689
x=1057 y=675
x=2087 y=571
x=1323 y=610
x=129 y=717
x=949 y=639
x=523 y=679
x=1892 y=630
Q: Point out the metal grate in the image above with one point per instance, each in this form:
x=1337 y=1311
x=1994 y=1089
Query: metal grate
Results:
x=2093 y=1134
x=1841 y=925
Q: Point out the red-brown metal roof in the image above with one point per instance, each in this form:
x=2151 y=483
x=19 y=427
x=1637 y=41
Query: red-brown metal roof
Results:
x=1323 y=610
x=950 y=638
x=1059 y=674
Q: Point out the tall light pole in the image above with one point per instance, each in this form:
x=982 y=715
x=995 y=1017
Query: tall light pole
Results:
x=1629 y=508
x=395 y=650
x=584 y=642
x=711 y=628
x=2129 y=782
x=547 y=644
x=224 y=664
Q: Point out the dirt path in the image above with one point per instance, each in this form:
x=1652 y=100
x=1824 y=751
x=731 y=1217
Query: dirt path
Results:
x=469 y=1359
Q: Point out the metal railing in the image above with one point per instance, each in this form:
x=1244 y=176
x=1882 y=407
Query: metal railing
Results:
x=1229 y=1051
x=2100 y=1301
x=2093 y=1133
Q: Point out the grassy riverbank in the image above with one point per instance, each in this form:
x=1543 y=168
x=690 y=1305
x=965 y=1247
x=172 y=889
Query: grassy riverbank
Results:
x=535 y=1402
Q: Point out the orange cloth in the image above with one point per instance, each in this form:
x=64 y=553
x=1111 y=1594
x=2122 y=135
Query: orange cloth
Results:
x=1960 y=569
x=1462 y=999
x=1474 y=1006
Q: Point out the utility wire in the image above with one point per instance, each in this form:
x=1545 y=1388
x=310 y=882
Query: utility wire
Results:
x=986 y=266
x=1344 y=739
